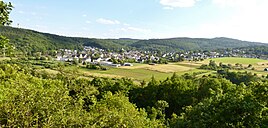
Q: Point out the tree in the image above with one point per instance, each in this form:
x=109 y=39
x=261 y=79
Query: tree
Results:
x=236 y=108
x=5 y=9
x=115 y=110
x=4 y=45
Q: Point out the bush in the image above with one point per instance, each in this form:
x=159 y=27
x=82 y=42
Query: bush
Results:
x=43 y=58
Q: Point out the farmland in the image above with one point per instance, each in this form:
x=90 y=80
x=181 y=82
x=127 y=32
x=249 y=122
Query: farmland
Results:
x=139 y=72
x=142 y=71
x=234 y=60
x=161 y=71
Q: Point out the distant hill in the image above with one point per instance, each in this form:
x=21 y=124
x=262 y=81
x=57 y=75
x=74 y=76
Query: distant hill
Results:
x=29 y=40
x=174 y=44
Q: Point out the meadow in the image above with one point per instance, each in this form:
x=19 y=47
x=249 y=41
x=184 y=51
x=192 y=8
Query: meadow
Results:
x=234 y=60
x=141 y=72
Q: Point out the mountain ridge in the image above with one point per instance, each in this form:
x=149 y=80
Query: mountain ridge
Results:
x=32 y=40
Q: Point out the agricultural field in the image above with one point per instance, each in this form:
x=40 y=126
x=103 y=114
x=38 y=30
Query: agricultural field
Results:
x=141 y=72
x=234 y=60
x=258 y=65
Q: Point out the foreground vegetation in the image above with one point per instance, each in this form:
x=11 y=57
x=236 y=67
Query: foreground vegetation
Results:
x=33 y=98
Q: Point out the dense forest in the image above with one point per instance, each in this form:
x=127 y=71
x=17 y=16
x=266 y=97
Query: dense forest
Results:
x=187 y=44
x=33 y=41
x=33 y=98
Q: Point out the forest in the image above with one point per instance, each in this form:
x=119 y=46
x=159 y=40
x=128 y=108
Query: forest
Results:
x=32 y=41
x=33 y=98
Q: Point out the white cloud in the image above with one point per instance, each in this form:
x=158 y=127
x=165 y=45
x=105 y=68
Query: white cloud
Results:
x=84 y=15
x=107 y=21
x=125 y=24
x=128 y=32
x=88 y=22
x=178 y=3
x=168 y=8
x=137 y=29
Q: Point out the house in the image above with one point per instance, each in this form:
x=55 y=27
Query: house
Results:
x=86 y=60
x=83 y=56
x=97 y=60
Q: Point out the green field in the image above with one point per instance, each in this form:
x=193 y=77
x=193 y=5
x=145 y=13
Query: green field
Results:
x=257 y=64
x=141 y=72
x=162 y=71
x=234 y=60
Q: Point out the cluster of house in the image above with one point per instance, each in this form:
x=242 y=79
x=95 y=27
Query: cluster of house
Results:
x=100 y=56
x=90 y=55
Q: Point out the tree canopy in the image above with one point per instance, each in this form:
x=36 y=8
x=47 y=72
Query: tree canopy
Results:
x=5 y=9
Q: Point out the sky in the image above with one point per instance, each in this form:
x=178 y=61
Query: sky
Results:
x=145 y=19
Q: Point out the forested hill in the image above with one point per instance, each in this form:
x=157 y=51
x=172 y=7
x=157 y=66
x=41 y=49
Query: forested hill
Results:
x=174 y=44
x=29 y=40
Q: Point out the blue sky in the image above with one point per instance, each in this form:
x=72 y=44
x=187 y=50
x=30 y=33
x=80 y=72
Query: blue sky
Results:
x=144 y=19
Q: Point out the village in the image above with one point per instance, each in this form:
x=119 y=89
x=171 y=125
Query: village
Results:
x=97 y=56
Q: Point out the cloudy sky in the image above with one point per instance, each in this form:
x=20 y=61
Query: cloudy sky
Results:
x=144 y=19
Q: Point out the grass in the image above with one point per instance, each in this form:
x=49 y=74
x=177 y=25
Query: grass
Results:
x=234 y=60
x=257 y=64
x=165 y=68
x=139 y=72
x=145 y=72
x=4 y=58
x=136 y=74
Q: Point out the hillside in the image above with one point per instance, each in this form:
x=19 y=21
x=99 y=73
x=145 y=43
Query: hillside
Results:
x=29 y=40
x=174 y=44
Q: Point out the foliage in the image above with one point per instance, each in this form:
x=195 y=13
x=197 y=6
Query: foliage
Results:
x=5 y=46
x=33 y=41
x=96 y=67
x=29 y=41
x=5 y=9
x=186 y=44
x=30 y=98
x=29 y=101
x=239 y=107
x=116 y=111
